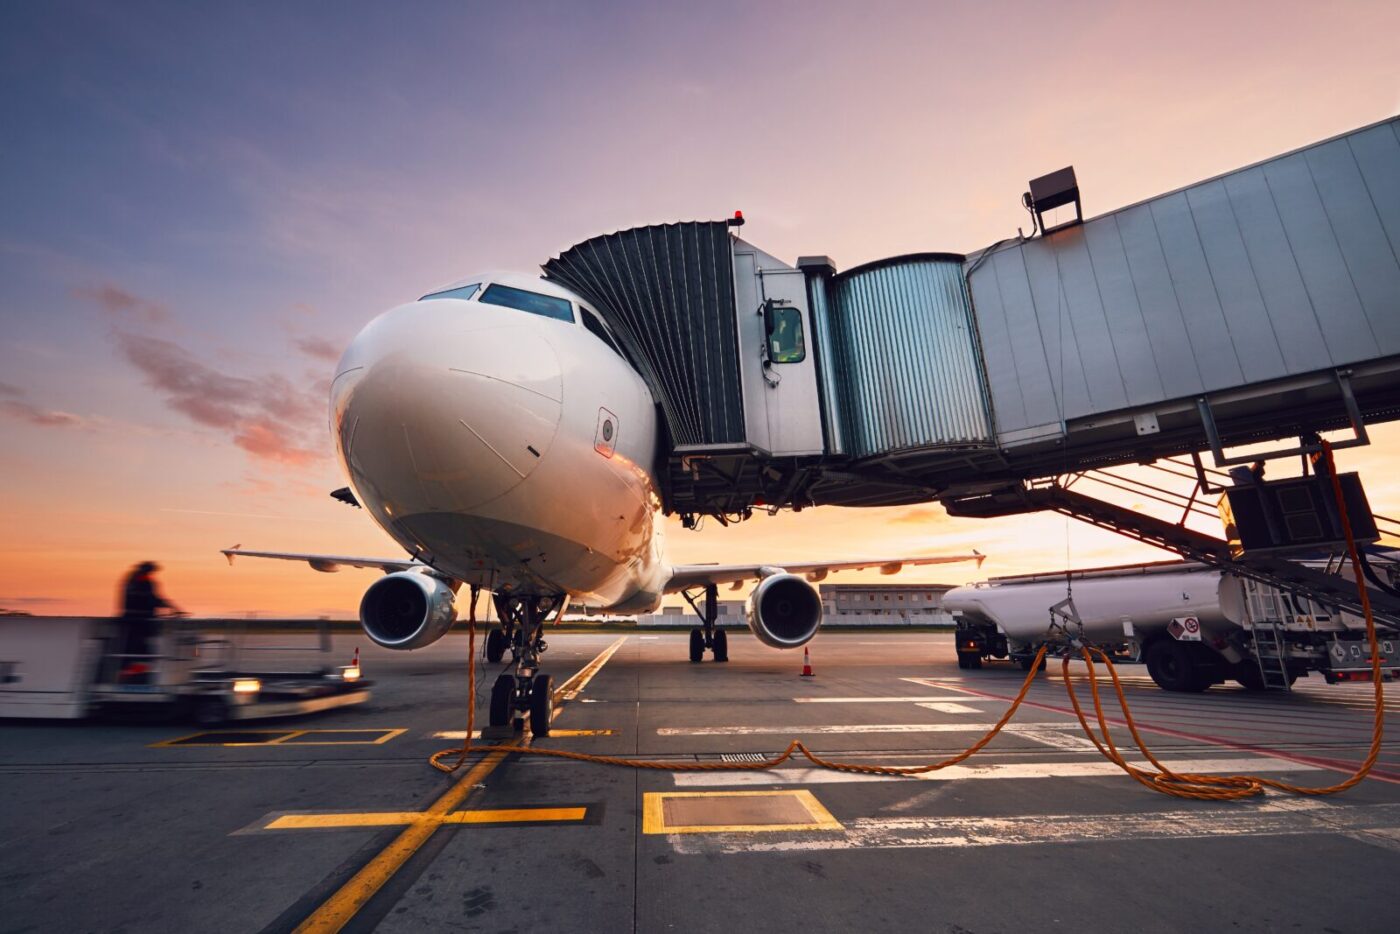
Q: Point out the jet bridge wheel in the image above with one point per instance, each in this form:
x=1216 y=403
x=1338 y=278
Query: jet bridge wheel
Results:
x=1176 y=666
x=502 y=694
x=697 y=644
x=495 y=646
x=541 y=705
x=721 y=646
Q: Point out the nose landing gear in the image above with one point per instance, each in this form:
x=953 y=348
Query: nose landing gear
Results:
x=524 y=692
x=708 y=636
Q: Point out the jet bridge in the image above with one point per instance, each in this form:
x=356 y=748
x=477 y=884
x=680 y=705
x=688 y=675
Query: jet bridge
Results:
x=1258 y=305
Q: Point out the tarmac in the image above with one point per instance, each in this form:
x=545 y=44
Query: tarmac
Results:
x=335 y=821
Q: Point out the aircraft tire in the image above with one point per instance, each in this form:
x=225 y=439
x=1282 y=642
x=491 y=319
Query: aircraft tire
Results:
x=502 y=693
x=697 y=644
x=495 y=646
x=721 y=646
x=541 y=705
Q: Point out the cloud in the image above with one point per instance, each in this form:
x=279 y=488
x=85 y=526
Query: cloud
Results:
x=920 y=515
x=319 y=348
x=268 y=417
x=119 y=303
x=17 y=407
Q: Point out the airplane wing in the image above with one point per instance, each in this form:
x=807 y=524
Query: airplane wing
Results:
x=327 y=563
x=685 y=576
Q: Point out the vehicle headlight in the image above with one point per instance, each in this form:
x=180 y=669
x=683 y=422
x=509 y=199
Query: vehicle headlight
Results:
x=247 y=686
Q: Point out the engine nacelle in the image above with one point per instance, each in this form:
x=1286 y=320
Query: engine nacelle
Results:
x=784 y=611
x=407 y=610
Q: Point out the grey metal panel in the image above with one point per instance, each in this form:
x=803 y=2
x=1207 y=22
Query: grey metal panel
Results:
x=1093 y=338
x=1161 y=312
x=1377 y=152
x=1039 y=392
x=912 y=374
x=1236 y=287
x=1290 y=312
x=999 y=356
x=1357 y=227
x=1346 y=331
x=829 y=364
x=1137 y=367
x=1200 y=306
x=1056 y=328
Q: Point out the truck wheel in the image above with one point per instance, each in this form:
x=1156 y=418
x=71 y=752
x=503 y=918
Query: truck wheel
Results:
x=1249 y=677
x=969 y=660
x=210 y=711
x=1175 y=667
x=1026 y=664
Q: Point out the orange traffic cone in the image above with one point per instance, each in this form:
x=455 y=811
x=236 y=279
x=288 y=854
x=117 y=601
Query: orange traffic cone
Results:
x=807 y=663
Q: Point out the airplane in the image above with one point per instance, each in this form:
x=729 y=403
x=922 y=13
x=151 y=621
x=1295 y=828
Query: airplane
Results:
x=497 y=432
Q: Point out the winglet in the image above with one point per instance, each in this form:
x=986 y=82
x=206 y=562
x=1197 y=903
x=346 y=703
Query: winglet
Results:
x=230 y=552
x=980 y=557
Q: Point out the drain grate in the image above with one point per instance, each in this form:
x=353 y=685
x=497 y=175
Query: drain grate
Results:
x=742 y=757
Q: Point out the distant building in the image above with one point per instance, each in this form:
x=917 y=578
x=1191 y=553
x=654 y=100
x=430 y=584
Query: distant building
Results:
x=886 y=604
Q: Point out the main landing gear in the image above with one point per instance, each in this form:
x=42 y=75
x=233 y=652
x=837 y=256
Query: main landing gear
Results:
x=707 y=636
x=524 y=692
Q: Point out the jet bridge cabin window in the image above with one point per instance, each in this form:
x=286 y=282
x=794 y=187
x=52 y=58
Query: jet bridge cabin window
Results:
x=785 y=341
x=533 y=302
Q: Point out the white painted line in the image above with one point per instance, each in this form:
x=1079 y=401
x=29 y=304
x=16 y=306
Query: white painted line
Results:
x=1372 y=822
x=949 y=707
x=1100 y=768
x=1058 y=738
x=796 y=730
x=645 y=638
x=961 y=698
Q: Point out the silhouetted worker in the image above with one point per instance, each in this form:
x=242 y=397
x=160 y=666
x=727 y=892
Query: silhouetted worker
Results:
x=140 y=604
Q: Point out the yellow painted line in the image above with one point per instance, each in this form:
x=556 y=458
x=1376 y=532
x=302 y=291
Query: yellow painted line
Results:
x=654 y=816
x=394 y=818
x=337 y=910
x=388 y=735
x=460 y=734
x=283 y=740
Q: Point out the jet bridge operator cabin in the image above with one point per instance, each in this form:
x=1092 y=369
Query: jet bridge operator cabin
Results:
x=1261 y=304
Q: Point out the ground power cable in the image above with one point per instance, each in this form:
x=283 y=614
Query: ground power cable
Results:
x=1164 y=780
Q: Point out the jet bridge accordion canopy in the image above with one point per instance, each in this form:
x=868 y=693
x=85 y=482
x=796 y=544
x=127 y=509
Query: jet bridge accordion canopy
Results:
x=668 y=294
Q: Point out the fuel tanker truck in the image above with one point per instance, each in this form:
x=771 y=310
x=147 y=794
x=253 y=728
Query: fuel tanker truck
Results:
x=1193 y=625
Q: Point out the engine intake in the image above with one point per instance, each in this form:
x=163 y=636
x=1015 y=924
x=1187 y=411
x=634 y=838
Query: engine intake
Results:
x=784 y=611
x=407 y=610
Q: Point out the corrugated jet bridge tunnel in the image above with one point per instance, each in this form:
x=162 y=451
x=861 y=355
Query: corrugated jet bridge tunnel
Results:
x=1262 y=304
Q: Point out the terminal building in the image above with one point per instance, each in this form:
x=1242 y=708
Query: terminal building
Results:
x=842 y=605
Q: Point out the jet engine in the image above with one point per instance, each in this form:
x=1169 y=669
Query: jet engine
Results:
x=407 y=610
x=784 y=611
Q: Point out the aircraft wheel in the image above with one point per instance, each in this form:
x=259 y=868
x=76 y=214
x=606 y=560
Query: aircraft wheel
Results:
x=541 y=705
x=697 y=644
x=1173 y=667
x=721 y=646
x=502 y=693
x=495 y=646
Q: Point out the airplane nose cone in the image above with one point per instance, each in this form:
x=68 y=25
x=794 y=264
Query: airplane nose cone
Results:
x=442 y=406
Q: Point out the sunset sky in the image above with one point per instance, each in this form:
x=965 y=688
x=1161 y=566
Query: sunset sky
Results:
x=200 y=204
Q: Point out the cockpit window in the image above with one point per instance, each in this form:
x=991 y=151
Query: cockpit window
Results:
x=463 y=292
x=533 y=302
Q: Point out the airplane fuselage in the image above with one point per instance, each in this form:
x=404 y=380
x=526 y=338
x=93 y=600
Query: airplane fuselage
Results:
x=501 y=439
